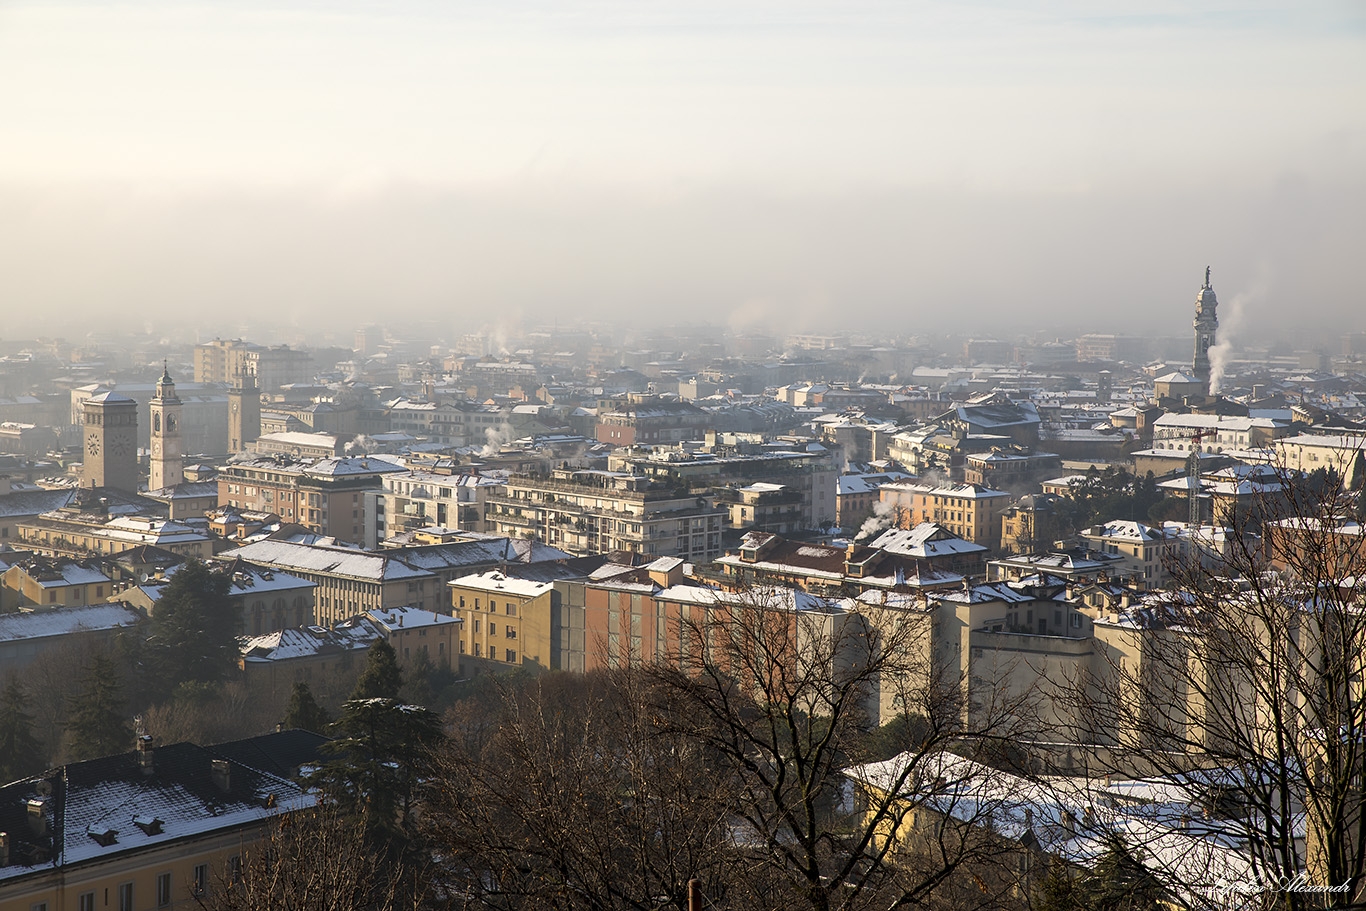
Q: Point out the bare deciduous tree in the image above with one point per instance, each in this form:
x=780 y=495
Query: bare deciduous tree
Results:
x=1244 y=686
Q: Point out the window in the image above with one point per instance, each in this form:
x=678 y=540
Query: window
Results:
x=511 y=633
x=86 y=902
x=126 y=897
x=476 y=650
x=512 y=611
x=235 y=869
x=512 y=656
x=163 y=890
x=38 y=906
x=493 y=629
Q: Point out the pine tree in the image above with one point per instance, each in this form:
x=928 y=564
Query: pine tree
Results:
x=380 y=678
x=96 y=724
x=381 y=747
x=193 y=634
x=418 y=688
x=20 y=753
x=304 y=712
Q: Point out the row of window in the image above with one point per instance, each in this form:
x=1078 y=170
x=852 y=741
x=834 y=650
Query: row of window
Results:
x=510 y=654
x=86 y=901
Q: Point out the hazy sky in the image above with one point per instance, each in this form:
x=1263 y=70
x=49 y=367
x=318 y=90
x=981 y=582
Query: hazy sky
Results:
x=794 y=163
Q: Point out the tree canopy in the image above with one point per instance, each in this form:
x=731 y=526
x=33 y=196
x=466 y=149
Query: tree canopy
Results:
x=380 y=678
x=97 y=724
x=192 y=637
x=20 y=752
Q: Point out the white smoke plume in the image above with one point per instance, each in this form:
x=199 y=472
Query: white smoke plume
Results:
x=1229 y=328
x=497 y=438
x=361 y=445
x=878 y=522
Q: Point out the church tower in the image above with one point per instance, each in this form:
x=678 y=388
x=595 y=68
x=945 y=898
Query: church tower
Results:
x=244 y=412
x=111 y=442
x=1206 y=325
x=168 y=455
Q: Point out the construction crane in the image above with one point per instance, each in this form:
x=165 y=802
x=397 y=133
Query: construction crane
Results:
x=1193 y=493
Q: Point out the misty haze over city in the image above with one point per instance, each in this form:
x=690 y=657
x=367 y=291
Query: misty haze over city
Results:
x=755 y=165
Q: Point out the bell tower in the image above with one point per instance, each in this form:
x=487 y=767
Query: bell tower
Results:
x=168 y=455
x=111 y=442
x=1206 y=325
x=244 y=412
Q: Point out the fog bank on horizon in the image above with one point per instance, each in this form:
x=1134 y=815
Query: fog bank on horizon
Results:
x=805 y=166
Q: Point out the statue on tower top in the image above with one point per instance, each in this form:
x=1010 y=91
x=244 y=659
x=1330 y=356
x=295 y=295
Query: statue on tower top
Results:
x=1207 y=276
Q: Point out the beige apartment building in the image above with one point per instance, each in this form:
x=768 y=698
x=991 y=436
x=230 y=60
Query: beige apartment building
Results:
x=326 y=496
x=1145 y=552
x=589 y=512
x=348 y=581
x=505 y=621
x=970 y=511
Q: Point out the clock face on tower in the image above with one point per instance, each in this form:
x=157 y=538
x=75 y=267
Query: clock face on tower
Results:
x=92 y=446
x=156 y=448
x=118 y=447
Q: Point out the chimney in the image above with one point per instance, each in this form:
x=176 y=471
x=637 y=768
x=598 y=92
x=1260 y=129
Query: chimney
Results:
x=222 y=774
x=146 y=755
x=37 y=816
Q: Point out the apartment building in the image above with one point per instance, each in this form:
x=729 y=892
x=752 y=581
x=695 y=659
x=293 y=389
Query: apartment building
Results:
x=1221 y=432
x=1146 y=552
x=506 y=621
x=326 y=496
x=73 y=532
x=159 y=827
x=223 y=360
x=38 y=581
x=419 y=499
x=348 y=581
x=970 y=511
x=648 y=420
x=809 y=470
x=925 y=558
x=587 y=512
x=263 y=599
x=26 y=636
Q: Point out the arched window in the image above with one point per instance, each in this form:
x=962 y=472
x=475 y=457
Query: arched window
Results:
x=156 y=423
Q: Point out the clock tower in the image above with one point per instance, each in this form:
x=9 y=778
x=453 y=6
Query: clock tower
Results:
x=244 y=412
x=168 y=456
x=111 y=442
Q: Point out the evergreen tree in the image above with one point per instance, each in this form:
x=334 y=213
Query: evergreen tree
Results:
x=380 y=678
x=304 y=712
x=193 y=634
x=418 y=687
x=1120 y=882
x=96 y=724
x=381 y=747
x=20 y=753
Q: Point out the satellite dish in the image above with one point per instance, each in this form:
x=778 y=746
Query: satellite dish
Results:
x=142 y=578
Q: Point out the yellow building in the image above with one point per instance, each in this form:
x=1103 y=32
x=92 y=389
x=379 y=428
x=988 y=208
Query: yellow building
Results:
x=153 y=828
x=506 y=621
x=73 y=533
x=971 y=511
x=42 y=582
